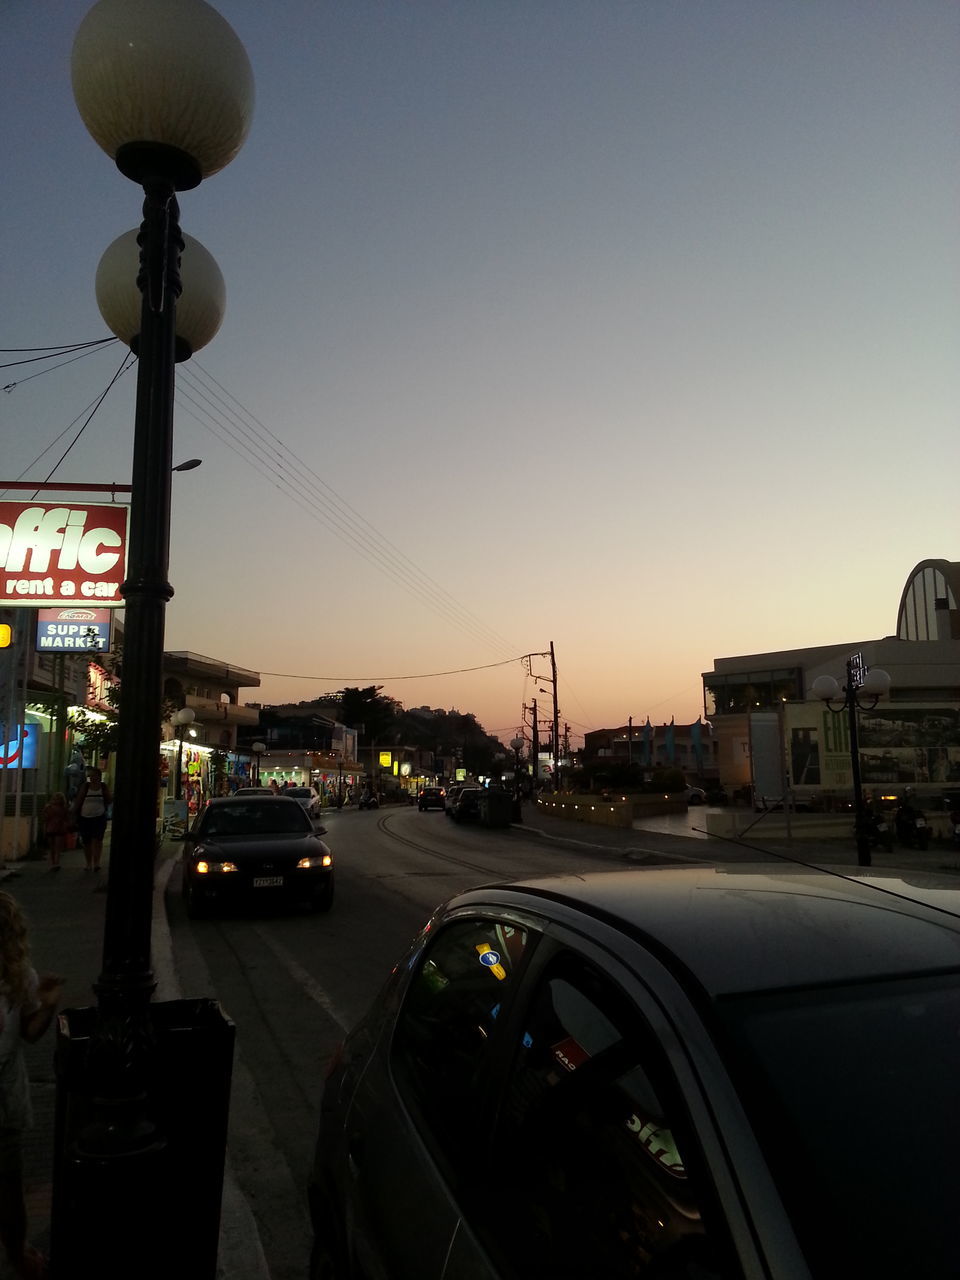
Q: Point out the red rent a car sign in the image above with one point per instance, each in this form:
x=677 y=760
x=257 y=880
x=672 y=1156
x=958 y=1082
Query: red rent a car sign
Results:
x=63 y=552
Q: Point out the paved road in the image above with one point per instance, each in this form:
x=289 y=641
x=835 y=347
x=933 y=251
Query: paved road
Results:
x=293 y=983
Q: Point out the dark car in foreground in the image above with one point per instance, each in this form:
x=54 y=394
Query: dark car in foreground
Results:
x=257 y=849
x=689 y=1074
x=431 y=798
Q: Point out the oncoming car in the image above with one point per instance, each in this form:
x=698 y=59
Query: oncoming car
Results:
x=307 y=797
x=700 y=1073
x=257 y=849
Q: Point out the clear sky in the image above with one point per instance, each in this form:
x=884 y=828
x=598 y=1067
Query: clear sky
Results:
x=631 y=326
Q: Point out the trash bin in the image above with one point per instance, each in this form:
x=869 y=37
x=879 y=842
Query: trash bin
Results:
x=496 y=808
x=137 y=1185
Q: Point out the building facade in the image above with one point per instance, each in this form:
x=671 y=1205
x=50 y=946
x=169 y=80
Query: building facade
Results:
x=775 y=738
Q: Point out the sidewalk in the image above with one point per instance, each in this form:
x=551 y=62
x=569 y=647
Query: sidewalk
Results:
x=65 y=914
x=644 y=845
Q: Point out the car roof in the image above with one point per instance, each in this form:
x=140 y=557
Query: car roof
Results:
x=736 y=927
x=249 y=798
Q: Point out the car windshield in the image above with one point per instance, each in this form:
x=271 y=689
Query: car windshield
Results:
x=299 y=793
x=853 y=1094
x=253 y=818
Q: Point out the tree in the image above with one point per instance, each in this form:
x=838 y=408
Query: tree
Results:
x=373 y=714
x=98 y=733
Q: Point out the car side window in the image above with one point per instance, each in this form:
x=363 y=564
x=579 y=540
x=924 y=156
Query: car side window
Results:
x=593 y=1179
x=440 y=1050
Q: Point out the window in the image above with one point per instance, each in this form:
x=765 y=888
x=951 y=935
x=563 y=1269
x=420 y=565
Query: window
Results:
x=441 y=1047
x=593 y=1175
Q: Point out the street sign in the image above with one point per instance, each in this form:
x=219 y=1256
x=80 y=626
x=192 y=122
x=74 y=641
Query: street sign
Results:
x=73 y=630
x=63 y=553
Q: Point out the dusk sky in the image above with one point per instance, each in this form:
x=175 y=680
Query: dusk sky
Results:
x=633 y=327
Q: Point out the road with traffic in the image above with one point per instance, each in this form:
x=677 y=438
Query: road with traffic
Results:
x=293 y=982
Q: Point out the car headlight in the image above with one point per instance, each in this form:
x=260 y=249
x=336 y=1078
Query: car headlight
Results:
x=204 y=868
x=318 y=860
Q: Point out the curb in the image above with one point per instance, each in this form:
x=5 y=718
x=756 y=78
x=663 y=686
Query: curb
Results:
x=240 y=1253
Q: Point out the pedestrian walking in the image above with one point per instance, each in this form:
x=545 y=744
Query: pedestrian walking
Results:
x=27 y=1006
x=57 y=821
x=90 y=807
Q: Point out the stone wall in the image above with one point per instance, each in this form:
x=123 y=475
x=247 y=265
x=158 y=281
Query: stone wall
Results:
x=618 y=811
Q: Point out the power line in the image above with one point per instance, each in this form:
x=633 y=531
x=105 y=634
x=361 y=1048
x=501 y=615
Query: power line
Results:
x=371 y=545
x=124 y=364
x=428 y=675
x=383 y=547
x=269 y=467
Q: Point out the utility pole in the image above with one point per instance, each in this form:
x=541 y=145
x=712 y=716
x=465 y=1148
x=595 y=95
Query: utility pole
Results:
x=630 y=740
x=556 y=722
x=535 y=749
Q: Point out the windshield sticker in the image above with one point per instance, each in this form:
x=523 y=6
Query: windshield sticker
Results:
x=491 y=959
x=659 y=1143
x=569 y=1054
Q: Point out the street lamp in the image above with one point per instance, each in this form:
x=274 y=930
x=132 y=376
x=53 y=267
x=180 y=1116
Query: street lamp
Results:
x=258 y=749
x=185 y=716
x=873 y=685
x=167 y=91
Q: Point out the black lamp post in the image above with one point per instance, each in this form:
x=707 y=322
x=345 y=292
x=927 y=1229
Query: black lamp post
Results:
x=167 y=91
x=872 y=685
x=258 y=749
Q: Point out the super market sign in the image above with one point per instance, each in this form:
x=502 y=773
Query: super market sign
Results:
x=62 y=553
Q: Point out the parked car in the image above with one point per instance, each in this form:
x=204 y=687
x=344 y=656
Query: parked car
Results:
x=451 y=797
x=308 y=798
x=255 y=848
x=467 y=804
x=654 y=1071
x=431 y=798
x=694 y=795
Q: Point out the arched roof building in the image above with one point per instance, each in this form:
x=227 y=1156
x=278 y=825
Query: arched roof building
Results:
x=928 y=606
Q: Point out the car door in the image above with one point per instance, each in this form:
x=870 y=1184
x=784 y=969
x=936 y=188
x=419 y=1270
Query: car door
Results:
x=605 y=1158
x=417 y=1129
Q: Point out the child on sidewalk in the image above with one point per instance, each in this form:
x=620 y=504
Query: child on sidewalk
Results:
x=27 y=1006
x=56 y=825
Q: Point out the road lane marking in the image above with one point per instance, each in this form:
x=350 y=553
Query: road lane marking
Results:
x=303 y=979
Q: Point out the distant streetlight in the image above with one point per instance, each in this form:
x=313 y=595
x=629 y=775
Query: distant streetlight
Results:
x=184 y=717
x=873 y=685
x=258 y=749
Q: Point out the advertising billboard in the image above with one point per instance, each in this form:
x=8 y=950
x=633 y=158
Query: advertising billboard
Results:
x=900 y=745
x=63 y=553
x=19 y=749
x=73 y=630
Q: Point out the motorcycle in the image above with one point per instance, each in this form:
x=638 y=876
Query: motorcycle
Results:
x=912 y=828
x=368 y=802
x=955 y=826
x=879 y=832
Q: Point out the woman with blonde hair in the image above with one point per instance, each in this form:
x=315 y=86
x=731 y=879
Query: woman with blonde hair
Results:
x=27 y=1006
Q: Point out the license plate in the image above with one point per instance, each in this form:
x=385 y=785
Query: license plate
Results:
x=267 y=882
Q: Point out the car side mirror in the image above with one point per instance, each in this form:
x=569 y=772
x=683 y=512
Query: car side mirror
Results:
x=320 y=831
